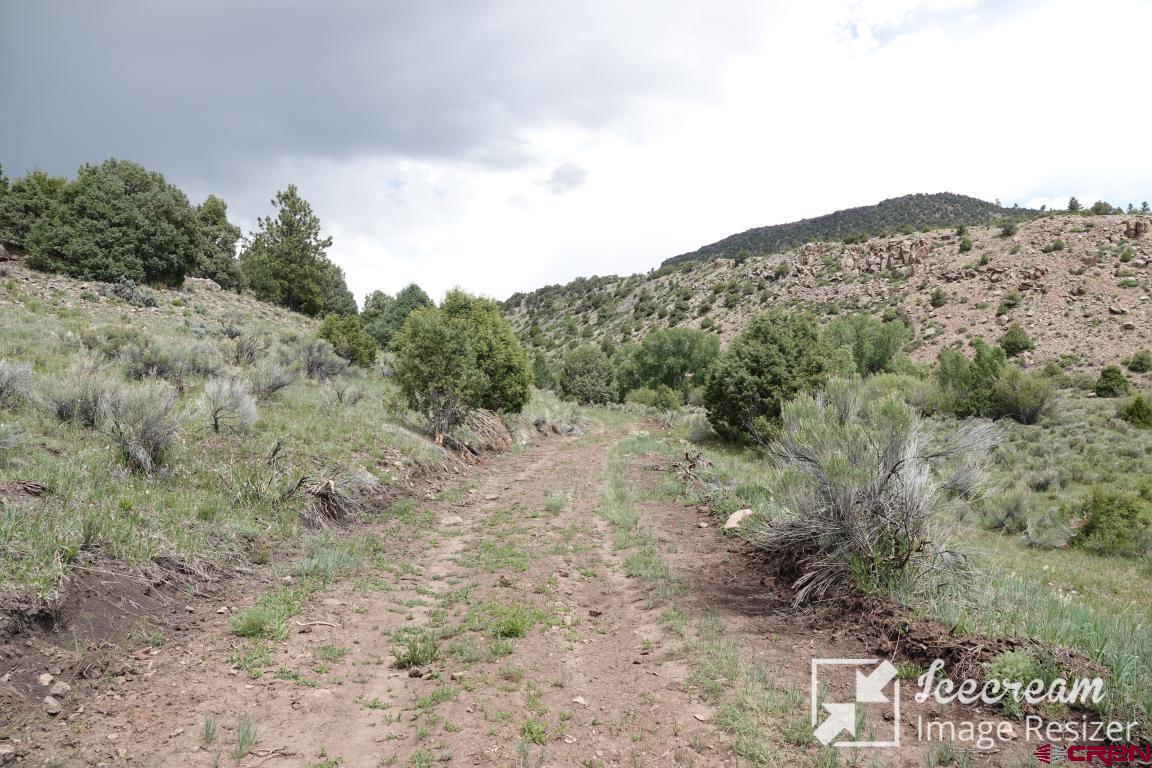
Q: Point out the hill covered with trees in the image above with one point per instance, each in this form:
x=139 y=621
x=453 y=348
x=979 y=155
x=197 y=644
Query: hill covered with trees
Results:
x=906 y=214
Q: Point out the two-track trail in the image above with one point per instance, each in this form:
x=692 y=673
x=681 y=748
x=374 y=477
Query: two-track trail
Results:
x=513 y=620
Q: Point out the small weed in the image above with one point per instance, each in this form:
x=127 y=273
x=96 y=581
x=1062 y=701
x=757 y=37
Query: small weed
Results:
x=246 y=737
x=534 y=730
x=421 y=648
x=208 y=730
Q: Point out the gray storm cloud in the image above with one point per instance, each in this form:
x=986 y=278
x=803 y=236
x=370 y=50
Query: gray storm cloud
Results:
x=210 y=90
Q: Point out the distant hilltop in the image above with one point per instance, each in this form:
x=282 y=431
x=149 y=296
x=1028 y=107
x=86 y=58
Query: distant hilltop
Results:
x=906 y=214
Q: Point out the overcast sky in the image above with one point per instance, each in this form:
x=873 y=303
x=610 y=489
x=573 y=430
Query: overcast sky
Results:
x=502 y=146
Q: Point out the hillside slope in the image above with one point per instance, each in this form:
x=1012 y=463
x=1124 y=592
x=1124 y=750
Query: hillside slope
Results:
x=1078 y=284
x=907 y=213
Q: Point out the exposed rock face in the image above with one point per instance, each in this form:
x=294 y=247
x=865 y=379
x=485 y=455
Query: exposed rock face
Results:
x=1137 y=229
x=201 y=284
x=898 y=256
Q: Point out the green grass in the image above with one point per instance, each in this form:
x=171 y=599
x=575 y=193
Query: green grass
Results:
x=534 y=730
x=502 y=621
x=217 y=497
x=332 y=653
x=268 y=618
x=644 y=558
x=246 y=738
x=438 y=696
x=420 y=648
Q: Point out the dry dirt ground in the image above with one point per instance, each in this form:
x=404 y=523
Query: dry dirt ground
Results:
x=532 y=645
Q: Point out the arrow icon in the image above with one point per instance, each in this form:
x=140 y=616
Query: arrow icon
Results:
x=842 y=718
x=870 y=688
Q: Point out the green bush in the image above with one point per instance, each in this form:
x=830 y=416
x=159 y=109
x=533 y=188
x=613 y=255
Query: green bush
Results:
x=1022 y=397
x=1115 y=523
x=1013 y=668
x=346 y=335
x=505 y=382
x=436 y=368
x=118 y=221
x=217 y=260
x=26 y=202
x=673 y=357
x=667 y=399
x=966 y=385
x=1112 y=382
x=384 y=315
x=1137 y=413
x=645 y=396
x=1016 y=340
x=1141 y=362
x=779 y=355
x=586 y=376
x=965 y=244
x=939 y=297
x=542 y=375
x=873 y=344
x=1011 y=300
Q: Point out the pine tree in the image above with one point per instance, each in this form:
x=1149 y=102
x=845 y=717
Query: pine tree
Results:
x=286 y=261
x=1073 y=205
x=218 y=258
x=384 y=315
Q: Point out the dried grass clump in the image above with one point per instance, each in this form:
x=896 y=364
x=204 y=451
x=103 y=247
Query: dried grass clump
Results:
x=246 y=349
x=78 y=396
x=12 y=439
x=15 y=382
x=480 y=431
x=864 y=509
x=176 y=364
x=268 y=379
x=336 y=497
x=228 y=404
x=143 y=423
x=344 y=392
x=319 y=360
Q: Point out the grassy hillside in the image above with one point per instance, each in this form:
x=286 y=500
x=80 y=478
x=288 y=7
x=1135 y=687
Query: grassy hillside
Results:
x=69 y=494
x=909 y=213
x=1079 y=285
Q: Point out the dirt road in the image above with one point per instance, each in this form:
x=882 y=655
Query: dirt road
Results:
x=557 y=608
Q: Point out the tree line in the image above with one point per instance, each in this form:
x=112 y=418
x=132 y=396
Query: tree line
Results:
x=119 y=222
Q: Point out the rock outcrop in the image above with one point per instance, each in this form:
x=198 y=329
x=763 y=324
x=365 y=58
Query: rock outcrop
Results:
x=1137 y=229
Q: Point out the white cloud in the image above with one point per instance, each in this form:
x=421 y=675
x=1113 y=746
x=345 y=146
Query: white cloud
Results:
x=1024 y=102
